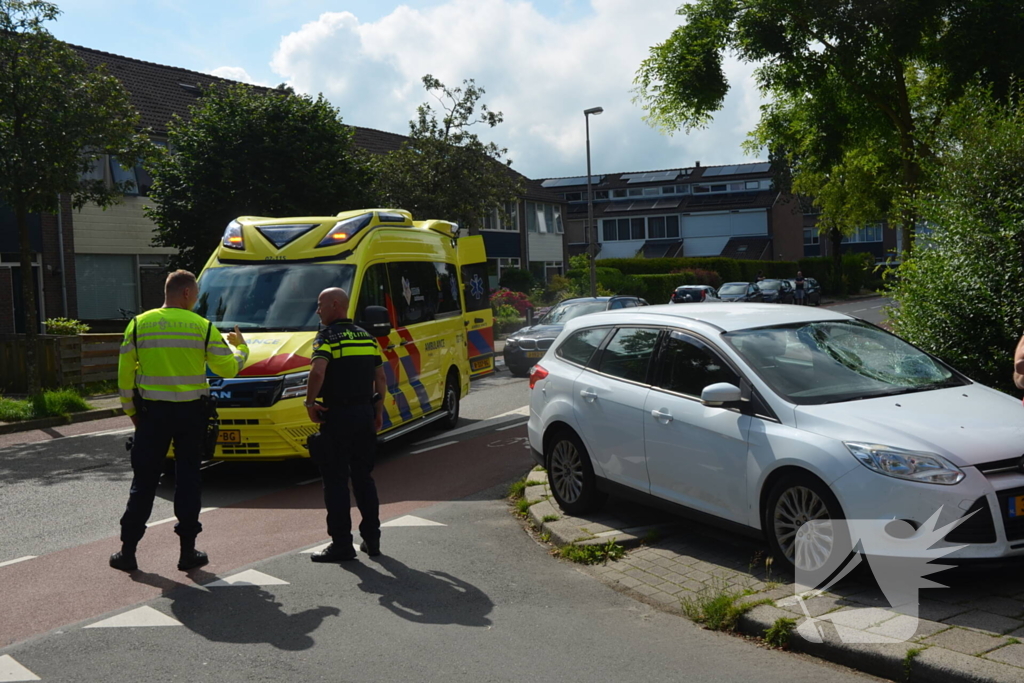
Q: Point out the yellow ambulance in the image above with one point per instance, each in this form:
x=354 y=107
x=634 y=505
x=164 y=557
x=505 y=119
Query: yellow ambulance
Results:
x=265 y=277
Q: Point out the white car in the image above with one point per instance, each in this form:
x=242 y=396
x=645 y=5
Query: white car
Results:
x=763 y=418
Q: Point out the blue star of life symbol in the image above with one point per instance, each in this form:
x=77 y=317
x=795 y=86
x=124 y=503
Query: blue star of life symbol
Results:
x=476 y=286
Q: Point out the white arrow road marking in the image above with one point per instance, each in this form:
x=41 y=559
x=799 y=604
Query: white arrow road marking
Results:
x=409 y=520
x=20 y=559
x=250 y=577
x=430 y=448
x=175 y=519
x=11 y=671
x=310 y=551
x=143 y=616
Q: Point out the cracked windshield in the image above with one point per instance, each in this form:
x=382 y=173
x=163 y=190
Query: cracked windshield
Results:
x=829 y=362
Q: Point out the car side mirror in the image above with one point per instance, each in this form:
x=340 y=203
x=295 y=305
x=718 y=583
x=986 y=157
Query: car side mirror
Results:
x=376 y=321
x=716 y=395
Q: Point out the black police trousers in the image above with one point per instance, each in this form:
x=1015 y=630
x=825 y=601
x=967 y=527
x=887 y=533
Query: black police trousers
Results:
x=353 y=441
x=161 y=423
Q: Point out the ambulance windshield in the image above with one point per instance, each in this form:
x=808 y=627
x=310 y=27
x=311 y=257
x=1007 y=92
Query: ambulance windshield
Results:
x=272 y=298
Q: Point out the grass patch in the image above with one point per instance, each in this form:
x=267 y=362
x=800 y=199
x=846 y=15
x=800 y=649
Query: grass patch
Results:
x=46 y=404
x=777 y=635
x=107 y=386
x=550 y=518
x=592 y=554
x=715 y=607
x=522 y=506
x=538 y=468
x=517 y=489
x=545 y=537
x=908 y=661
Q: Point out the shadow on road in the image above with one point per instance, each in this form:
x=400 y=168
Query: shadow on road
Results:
x=430 y=597
x=239 y=614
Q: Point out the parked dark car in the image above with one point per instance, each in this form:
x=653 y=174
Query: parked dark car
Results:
x=740 y=291
x=776 y=291
x=812 y=290
x=524 y=347
x=693 y=293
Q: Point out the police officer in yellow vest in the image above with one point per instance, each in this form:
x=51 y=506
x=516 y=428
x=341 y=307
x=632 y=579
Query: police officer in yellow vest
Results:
x=161 y=376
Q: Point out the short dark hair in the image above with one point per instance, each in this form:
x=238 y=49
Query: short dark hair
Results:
x=177 y=282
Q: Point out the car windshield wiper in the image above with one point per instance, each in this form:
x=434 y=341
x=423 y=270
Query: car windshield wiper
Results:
x=945 y=384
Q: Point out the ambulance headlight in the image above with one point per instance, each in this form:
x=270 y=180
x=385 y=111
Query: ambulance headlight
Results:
x=295 y=384
x=343 y=231
x=233 y=238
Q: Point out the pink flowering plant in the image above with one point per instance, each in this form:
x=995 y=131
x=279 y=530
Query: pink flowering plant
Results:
x=507 y=297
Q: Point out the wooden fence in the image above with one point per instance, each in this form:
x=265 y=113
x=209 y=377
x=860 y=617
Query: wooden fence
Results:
x=62 y=360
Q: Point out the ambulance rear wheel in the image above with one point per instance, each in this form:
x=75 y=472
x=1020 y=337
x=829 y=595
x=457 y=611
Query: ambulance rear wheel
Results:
x=451 y=401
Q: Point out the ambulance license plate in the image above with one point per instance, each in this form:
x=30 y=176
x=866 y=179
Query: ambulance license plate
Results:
x=534 y=354
x=229 y=436
x=482 y=364
x=1016 y=506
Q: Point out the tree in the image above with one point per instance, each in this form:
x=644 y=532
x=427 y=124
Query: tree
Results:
x=58 y=117
x=247 y=151
x=959 y=296
x=895 y=64
x=444 y=170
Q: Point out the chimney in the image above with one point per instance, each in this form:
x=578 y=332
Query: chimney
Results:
x=696 y=164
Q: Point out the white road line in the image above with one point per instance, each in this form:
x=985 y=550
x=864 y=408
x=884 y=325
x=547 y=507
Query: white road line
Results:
x=430 y=448
x=860 y=309
x=106 y=433
x=517 y=424
x=175 y=519
x=20 y=559
x=309 y=481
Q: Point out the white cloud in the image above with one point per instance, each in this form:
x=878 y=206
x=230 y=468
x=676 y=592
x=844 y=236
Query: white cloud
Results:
x=540 y=72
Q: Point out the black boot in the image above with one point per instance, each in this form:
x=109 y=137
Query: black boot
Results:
x=370 y=548
x=124 y=559
x=191 y=558
x=335 y=552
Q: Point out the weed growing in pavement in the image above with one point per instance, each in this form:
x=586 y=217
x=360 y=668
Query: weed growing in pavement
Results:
x=517 y=489
x=550 y=518
x=522 y=505
x=777 y=635
x=652 y=536
x=538 y=468
x=12 y=410
x=908 y=661
x=592 y=554
x=1013 y=641
x=545 y=537
x=715 y=607
x=46 y=404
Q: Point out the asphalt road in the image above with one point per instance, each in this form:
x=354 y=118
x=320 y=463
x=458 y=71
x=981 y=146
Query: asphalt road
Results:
x=461 y=594
x=872 y=310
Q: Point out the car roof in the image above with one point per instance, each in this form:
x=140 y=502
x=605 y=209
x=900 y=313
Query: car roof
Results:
x=727 y=317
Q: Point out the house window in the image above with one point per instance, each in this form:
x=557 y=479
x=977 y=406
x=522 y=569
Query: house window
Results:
x=601 y=194
x=753 y=184
x=811 y=237
x=559 y=228
x=618 y=193
x=573 y=196
x=718 y=188
x=531 y=217
x=106 y=283
x=493 y=219
x=496 y=266
x=635 y=192
x=869 y=233
x=122 y=175
x=651 y=191
x=700 y=189
x=662 y=227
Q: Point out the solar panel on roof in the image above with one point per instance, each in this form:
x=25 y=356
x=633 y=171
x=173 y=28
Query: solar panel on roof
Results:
x=565 y=182
x=651 y=177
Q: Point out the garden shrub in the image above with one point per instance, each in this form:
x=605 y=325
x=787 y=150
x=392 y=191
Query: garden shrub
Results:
x=65 y=326
x=516 y=279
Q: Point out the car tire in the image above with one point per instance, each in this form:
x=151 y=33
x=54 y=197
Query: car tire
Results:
x=451 y=400
x=794 y=500
x=518 y=371
x=571 y=474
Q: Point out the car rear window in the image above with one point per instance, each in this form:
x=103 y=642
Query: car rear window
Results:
x=579 y=346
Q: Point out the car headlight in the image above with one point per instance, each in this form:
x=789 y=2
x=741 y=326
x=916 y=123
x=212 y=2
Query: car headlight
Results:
x=928 y=468
x=295 y=384
x=511 y=343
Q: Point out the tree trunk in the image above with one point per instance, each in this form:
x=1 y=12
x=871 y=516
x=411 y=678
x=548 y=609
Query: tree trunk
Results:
x=836 y=237
x=28 y=296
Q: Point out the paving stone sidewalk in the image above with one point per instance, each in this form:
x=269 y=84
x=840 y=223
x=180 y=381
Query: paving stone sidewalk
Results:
x=969 y=631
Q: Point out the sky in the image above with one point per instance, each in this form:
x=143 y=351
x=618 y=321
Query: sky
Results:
x=541 y=62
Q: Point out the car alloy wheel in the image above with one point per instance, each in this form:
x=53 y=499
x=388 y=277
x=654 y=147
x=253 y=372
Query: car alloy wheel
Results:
x=806 y=528
x=795 y=508
x=571 y=475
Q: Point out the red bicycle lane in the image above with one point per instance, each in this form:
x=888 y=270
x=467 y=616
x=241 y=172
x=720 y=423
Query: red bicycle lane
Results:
x=75 y=584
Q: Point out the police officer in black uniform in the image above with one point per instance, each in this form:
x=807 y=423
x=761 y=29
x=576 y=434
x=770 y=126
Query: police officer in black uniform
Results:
x=348 y=376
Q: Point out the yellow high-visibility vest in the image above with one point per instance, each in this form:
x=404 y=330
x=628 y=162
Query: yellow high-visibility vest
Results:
x=164 y=355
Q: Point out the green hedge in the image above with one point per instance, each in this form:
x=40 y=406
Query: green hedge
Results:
x=730 y=270
x=658 y=288
x=857 y=272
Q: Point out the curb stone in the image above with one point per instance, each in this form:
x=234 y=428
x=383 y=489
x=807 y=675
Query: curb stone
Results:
x=58 y=420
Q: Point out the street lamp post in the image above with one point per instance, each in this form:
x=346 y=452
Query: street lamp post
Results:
x=591 y=228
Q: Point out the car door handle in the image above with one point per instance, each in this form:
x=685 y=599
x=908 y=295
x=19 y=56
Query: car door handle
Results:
x=661 y=415
x=478 y=320
x=588 y=395
x=389 y=347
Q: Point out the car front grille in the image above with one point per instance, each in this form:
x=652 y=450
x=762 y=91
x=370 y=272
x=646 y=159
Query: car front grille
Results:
x=1000 y=465
x=528 y=344
x=545 y=344
x=980 y=528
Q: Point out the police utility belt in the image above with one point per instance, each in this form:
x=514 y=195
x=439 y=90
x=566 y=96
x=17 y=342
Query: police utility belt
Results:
x=208 y=404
